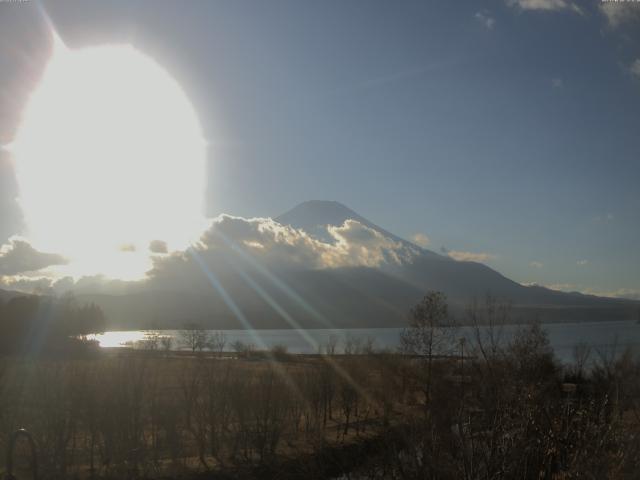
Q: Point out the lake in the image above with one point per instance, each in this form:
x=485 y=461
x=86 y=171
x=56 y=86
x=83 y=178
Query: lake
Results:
x=601 y=336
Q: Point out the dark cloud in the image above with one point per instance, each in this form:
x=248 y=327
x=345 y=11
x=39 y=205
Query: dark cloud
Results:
x=18 y=256
x=158 y=246
x=94 y=284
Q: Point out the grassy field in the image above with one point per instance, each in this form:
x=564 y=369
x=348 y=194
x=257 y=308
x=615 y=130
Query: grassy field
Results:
x=500 y=411
x=135 y=413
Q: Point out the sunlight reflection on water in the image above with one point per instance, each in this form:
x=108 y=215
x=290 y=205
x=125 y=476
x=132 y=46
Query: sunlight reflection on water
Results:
x=118 y=339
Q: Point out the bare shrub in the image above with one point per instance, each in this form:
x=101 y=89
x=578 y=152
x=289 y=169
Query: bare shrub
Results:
x=280 y=353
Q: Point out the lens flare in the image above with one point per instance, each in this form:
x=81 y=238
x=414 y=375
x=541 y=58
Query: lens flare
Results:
x=109 y=156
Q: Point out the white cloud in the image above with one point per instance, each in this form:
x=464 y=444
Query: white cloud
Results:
x=127 y=247
x=618 y=13
x=359 y=245
x=420 y=239
x=284 y=247
x=486 y=20
x=18 y=256
x=470 y=256
x=635 y=68
x=546 y=5
x=582 y=262
x=536 y=264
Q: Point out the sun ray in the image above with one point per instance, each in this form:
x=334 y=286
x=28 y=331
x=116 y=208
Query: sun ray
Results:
x=333 y=364
x=291 y=293
x=226 y=298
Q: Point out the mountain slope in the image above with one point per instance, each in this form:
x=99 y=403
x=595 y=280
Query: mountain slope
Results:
x=462 y=281
x=344 y=297
x=336 y=298
x=314 y=216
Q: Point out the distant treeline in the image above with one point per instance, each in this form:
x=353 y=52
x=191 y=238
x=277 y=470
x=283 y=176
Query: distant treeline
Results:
x=34 y=323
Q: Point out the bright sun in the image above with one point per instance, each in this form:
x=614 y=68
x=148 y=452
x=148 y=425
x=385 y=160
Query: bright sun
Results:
x=109 y=157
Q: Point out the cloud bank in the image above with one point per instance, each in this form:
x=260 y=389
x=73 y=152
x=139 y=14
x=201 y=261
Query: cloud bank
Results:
x=228 y=242
x=284 y=247
x=18 y=256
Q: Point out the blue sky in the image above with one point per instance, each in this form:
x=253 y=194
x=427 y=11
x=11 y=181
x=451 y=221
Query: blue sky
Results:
x=507 y=129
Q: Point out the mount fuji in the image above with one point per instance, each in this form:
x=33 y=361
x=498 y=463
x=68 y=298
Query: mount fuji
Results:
x=344 y=296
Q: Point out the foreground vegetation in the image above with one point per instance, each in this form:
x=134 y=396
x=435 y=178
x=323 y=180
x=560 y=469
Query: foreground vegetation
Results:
x=441 y=408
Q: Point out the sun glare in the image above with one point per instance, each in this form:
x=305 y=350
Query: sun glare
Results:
x=109 y=156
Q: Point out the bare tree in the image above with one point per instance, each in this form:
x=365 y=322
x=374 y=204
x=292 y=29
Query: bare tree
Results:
x=488 y=322
x=166 y=342
x=243 y=349
x=194 y=337
x=331 y=345
x=352 y=345
x=217 y=341
x=368 y=345
x=581 y=353
x=429 y=334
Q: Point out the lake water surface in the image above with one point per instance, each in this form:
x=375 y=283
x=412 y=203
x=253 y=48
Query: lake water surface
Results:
x=605 y=337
